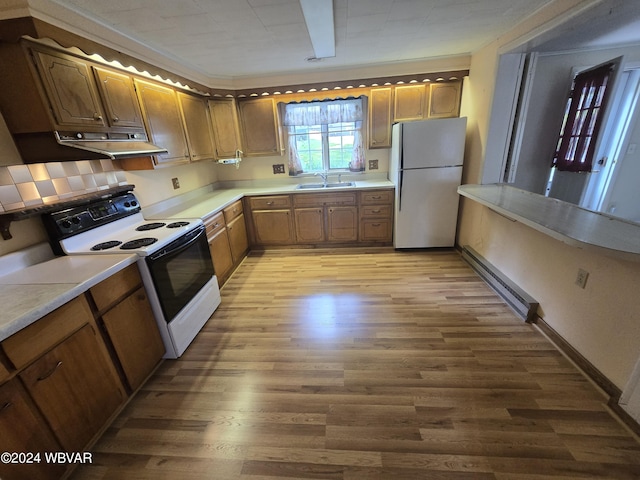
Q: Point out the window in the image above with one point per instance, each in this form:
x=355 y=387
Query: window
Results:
x=325 y=136
x=581 y=123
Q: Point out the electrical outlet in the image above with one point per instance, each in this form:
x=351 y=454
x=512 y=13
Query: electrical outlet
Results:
x=373 y=164
x=176 y=183
x=278 y=168
x=581 y=278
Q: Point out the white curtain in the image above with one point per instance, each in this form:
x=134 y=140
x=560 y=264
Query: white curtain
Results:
x=323 y=113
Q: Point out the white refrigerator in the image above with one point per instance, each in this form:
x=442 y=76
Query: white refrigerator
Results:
x=426 y=168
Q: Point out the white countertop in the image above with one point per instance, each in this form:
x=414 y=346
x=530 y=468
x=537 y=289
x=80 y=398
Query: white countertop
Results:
x=29 y=294
x=211 y=199
x=563 y=221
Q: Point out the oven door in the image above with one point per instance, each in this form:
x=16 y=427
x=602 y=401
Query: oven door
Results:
x=180 y=270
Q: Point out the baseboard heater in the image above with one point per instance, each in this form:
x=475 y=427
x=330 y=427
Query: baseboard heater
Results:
x=522 y=303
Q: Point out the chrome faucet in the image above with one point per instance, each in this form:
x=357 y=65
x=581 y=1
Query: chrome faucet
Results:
x=324 y=176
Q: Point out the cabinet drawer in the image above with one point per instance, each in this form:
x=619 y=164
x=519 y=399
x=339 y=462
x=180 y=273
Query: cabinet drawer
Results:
x=376 y=230
x=321 y=199
x=274 y=201
x=118 y=285
x=376 y=197
x=214 y=224
x=232 y=211
x=33 y=341
x=376 y=211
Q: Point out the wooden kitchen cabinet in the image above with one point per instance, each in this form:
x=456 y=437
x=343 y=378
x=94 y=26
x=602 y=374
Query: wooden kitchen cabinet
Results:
x=322 y=218
x=71 y=90
x=163 y=122
x=198 y=127
x=259 y=127
x=22 y=429
x=272 y=220
x=225 y=126
x=444 y=99
x=342 y=224
x=376 y=216
x=380 y=119
x=228 y=240
x=74 y=388
x=410 y=102
x=124 y=312
x=309 y=222
x=119 y=98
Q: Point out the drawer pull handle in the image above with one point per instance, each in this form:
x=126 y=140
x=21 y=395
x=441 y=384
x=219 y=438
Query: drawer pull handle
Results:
x=50 y=372
x=376 y=197
x=269 y=203
x=375 y=211
x=5 y=406
x=375 y=224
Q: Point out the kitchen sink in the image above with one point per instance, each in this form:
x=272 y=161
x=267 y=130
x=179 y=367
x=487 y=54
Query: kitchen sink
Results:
x=305 y=186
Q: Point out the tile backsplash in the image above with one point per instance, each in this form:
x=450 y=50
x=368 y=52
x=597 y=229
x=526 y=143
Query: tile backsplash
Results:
x=43 y=183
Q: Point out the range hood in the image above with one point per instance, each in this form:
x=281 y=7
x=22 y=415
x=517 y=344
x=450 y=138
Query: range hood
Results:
x=69 y=146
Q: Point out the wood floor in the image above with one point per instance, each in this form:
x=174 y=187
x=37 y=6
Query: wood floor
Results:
x=365 y=365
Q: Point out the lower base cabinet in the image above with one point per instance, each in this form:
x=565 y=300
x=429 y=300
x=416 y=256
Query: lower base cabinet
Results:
x=73 y=387
x=23 y=430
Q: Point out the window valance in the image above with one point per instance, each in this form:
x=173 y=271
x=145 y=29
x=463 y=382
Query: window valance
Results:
x=323 y=113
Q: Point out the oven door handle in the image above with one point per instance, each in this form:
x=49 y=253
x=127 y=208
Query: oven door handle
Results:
x=179 y=245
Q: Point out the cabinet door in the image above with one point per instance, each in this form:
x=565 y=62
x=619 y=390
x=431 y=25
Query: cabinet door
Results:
x=380 y=118
x=259 y=126
x=119 y=98
x=238 y=240
x=444 y=100
x=22 y=429
x=273 y=227
x=163 y=121
x=74 y=388
x=309 y=225
x=221 y=254
x=198 y=125
x=342 y=224
x=226 y=131
x=71 y=90
x=134 y=335
x=409 y=103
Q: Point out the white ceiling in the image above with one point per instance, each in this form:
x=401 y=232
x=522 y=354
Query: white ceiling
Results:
x=226 y=41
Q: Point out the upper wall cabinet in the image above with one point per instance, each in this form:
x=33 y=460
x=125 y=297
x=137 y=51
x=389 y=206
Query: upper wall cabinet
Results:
x=409 y=102
x=226 y=131
x=163 y=121
x=259 y=127
x=380 y=117
x=198 y=125
x=119 y=98
x=444 y=99
x=70 y=87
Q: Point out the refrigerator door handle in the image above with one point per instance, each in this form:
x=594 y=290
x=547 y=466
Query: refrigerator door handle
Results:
x=400 y=190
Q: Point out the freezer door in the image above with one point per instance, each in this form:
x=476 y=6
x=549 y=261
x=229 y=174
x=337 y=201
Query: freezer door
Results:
x=433 y=143
x=428 y=208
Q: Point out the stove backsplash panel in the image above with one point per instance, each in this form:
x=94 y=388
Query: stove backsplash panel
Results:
x=42 y=183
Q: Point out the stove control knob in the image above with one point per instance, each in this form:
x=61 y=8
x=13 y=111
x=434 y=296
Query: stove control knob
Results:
x=134 y=203
x=79 y=135
x=75 y=220
x=127 y=204
x=65 y=224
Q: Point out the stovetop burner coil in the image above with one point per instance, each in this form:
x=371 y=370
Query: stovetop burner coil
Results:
x=138 y=243
x=150 y=226
x=177 y=224
x=106 y=245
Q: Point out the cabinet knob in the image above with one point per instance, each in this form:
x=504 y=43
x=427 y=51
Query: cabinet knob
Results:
x=115 y=119
x=5 y=406
x=97 y=117
x=50 y=372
